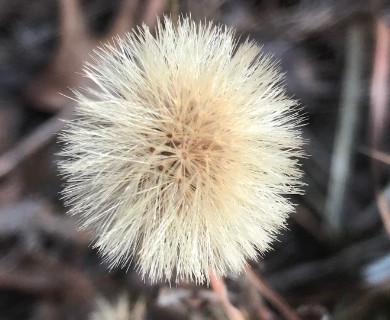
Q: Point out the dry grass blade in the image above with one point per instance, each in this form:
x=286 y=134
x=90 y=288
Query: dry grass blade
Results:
x=35 y=140
x=346 y=128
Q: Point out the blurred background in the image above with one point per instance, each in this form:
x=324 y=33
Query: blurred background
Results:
x=332 y=263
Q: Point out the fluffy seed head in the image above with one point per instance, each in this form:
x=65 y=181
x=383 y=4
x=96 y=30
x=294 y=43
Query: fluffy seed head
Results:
x=182 y=151
x=119 y=310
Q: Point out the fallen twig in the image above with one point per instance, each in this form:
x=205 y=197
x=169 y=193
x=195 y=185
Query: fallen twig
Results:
x=272 y=296
x=379 y=106
x=75 y=48
x=378 y=155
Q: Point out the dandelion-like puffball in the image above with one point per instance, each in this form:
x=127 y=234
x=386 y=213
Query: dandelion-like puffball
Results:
x=118 y=310
x=182 y=151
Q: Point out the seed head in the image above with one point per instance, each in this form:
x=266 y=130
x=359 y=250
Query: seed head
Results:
x=182 y=151
x=118 y=310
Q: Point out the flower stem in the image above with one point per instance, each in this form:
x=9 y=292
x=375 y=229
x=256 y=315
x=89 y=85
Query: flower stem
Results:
x=219 y=288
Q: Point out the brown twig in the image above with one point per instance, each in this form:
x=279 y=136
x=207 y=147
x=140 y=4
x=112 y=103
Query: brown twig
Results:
x=63 y=71
x=153 y=9
x=72 y=26
x=378 y=155
x=125 y=19
x=75 y=48
x=258 y=308
x=307 y=220
x=379 y=95
x=220 y=290
x=379 y=105
x=383 y=208
x=173 y=6
x=273 y=297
